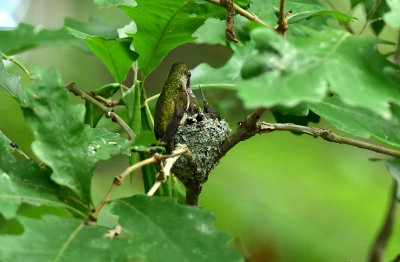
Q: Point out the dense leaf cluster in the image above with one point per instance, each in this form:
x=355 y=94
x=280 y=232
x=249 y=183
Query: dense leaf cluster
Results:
x=317 y=70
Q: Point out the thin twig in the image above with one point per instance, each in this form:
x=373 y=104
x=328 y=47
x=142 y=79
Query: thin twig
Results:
x=16 y=62
x=381 y=241
x=371 y=14
x=165 y=171
x=242 y=12
x=109 y=113
x=109 y=102
x=242 y=249
x=327 y=135
x=118 y=180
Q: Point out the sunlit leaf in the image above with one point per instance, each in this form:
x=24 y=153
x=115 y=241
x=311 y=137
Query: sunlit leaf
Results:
x=163 y=25
x=115 y=53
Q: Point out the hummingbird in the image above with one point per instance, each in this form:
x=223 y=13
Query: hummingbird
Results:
x=173 y=103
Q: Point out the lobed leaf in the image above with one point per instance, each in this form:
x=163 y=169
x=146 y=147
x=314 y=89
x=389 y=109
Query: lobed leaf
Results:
x=176 y=232
x=306 y=68
x=61 y=239
x=26 y=182
x=358 y=121
x=163 y=25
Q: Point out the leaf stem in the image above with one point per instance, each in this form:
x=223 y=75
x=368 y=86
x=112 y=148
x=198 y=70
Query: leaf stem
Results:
x=381 y=240
x=371 y=14
x=16 y=62
x=109 y=113
x=242 y=12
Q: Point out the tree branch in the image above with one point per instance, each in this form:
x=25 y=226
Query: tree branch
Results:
x=327 y=135
x=380 y=242
x=165 y=171
x=241 y=12
x=396 y=259
x=245 y=130
x=109 y=113
x=283 y=19
x=118 y=180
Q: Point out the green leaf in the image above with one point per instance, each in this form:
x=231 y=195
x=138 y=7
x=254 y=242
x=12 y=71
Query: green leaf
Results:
x=302 y=11
x=393 y=166
x=182 y=233
x=61 y=140
x=110 y=3
x=227 y=76
x=392 y=18
x=115 y=54
x=94 y=26
x=145 y=141
x=163 y=25
x=105 y=144
x=11 y=84
x=358 y=121
x=378 y=13
x=212 y=32
x=11 y=146
x=62 y=239
x=26 y=182
x=27 y=36
x=306 y=68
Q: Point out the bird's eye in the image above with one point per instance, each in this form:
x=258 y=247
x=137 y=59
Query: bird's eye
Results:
x=190 y=74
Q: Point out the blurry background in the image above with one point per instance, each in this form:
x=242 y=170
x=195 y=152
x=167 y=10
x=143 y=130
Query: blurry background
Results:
x=287 y=197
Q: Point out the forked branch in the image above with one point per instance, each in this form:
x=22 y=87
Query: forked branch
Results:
x=118 y=180
x=108 y=112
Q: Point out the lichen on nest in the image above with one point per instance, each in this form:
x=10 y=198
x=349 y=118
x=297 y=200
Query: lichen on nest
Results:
x=203 y=136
